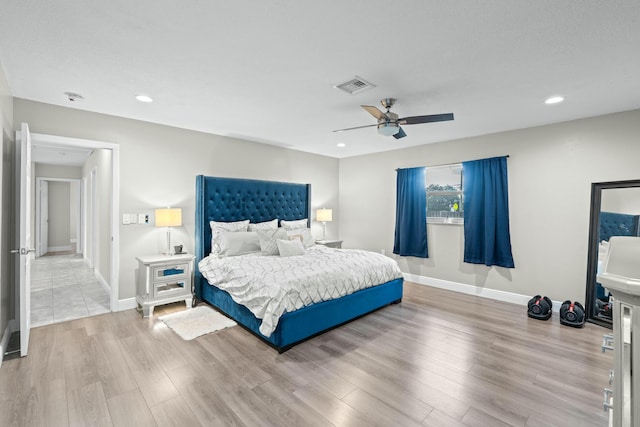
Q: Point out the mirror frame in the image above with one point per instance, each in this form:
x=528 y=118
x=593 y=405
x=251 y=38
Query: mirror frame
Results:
x=592 y=258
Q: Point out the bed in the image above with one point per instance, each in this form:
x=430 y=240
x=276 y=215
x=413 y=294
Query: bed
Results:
x=230 y=199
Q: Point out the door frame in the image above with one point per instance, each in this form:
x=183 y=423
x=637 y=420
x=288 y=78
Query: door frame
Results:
x=114 y=273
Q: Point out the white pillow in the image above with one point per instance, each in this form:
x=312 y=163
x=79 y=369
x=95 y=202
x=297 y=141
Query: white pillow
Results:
x=218 y=227
x=302 y=234
x=233 y=243
x=267 y=225
x=293 y=225
x=268 y=240
x=290 y=247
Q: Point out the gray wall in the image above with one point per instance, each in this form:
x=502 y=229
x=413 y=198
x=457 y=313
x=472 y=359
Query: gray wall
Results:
x=100 y=160
x=551 y=169
x=621 y=200
x=59 y=212
x=158 y=166
x=7 y=205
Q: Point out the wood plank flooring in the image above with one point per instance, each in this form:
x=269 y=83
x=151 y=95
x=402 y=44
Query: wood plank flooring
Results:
x=437 y=359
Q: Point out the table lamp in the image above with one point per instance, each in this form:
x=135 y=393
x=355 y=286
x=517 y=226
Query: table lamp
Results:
x=324 y=215
x=169 y=217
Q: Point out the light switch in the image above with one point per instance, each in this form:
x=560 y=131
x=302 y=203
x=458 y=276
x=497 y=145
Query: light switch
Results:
x=134 y=218
x=143 y=219
x=126 y=219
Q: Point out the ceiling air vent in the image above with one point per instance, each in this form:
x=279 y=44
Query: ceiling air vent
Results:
x=355 y=85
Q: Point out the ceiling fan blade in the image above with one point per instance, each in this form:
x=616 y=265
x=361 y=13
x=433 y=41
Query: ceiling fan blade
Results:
x=414 y=120
x=374 y=111
x=357 y=127
x=400 y=134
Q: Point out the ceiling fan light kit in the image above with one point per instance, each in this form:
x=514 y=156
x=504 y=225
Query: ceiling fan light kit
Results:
x=388 y=128
x=389 y=123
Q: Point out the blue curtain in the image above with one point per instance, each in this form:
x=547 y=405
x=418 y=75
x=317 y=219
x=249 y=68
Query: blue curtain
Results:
x=486 y=213
x=411 y=213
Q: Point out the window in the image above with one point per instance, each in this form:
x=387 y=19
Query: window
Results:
x=445 y=204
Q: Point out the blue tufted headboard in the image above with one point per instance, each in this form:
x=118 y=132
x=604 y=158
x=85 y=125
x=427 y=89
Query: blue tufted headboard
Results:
x=617 y=224
x=232 y=199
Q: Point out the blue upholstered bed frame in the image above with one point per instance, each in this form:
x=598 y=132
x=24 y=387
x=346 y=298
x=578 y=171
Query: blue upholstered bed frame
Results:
x=230 y=199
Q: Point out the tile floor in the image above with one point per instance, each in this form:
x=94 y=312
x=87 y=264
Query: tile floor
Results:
x=64 y=288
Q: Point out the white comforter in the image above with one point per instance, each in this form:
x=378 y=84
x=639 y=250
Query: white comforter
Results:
x=269 y=286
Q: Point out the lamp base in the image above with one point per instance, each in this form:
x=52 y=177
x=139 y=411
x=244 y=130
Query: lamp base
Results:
x=169 y=251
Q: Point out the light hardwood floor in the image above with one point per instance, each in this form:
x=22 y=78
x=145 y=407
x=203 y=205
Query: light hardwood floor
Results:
x=437 y=359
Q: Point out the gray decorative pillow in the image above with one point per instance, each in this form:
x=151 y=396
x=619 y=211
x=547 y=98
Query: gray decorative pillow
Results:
x=233 y=243
x=302 y=234
x=294 y=225
x=218 y=227
x=290 y=247
x=269 y=240
x=267 y=225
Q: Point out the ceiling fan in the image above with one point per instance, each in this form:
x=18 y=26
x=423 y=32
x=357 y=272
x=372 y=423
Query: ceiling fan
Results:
x=389 y=123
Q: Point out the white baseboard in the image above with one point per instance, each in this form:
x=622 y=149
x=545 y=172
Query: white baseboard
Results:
x=127 y=304
x=58 y=248
x=475 y=290
x=102 y=282
x=5 y=338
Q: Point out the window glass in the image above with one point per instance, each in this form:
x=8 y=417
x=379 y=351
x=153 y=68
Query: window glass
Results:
x=445 y=202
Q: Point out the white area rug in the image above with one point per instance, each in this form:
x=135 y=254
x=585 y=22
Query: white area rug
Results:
x=194 y=322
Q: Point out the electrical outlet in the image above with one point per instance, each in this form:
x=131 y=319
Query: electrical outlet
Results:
x=143 y=219
x=126 y=219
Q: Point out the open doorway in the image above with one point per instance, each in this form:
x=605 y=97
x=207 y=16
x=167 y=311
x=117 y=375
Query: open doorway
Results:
x=75 y=272
x=64 y=284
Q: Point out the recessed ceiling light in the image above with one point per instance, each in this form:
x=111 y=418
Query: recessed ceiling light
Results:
x=144 y=98
x=341 y=144
x=554 y=100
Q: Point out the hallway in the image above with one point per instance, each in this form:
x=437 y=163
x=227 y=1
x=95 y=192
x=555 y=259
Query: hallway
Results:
x=64 y=288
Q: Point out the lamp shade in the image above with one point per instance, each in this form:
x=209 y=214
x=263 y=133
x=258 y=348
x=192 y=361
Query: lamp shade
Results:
x=324 y=215
x=169 y=217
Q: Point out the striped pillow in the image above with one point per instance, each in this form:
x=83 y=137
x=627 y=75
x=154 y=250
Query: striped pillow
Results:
x=269 y=240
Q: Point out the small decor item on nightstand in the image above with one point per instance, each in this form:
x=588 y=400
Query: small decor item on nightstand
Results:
x=177 y=249
x=572 y=314
x=539 y=307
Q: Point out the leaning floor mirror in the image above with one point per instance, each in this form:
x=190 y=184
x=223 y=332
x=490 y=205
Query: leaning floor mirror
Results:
x=615 y=211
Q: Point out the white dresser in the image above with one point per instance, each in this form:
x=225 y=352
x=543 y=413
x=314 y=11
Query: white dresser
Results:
x=621 y=276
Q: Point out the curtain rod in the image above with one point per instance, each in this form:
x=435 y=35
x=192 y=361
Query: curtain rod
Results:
x=449 y=164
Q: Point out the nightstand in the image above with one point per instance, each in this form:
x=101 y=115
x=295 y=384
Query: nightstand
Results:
x=163 y=279
x=330 y=243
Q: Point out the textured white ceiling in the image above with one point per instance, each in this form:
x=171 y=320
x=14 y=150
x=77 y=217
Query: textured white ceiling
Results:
x=264 y=70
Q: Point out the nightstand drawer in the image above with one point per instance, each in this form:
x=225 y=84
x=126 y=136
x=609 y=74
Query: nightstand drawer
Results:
x=168 y=289
x=171 y=272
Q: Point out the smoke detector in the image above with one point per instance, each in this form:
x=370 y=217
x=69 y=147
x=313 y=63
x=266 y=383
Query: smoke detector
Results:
x=73 y=97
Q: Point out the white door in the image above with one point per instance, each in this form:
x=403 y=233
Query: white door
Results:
x=24 y=271
x=44 y=217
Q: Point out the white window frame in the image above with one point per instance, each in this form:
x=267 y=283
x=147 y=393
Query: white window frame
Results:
x=447 y=217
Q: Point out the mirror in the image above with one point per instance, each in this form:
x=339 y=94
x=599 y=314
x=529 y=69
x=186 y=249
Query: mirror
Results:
x=615 y=211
